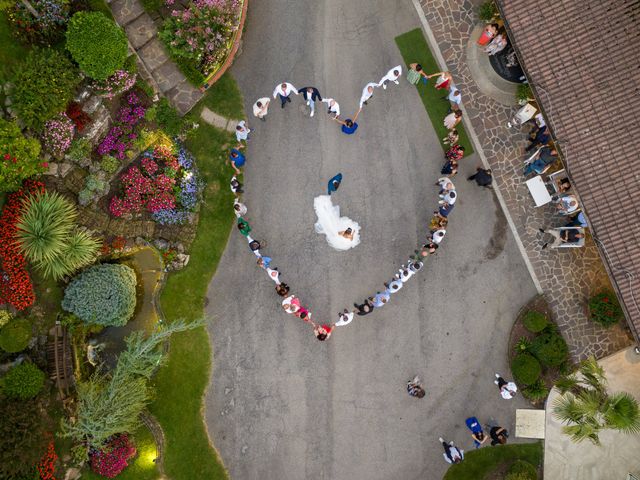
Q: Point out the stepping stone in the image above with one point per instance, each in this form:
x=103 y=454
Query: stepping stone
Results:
x=184 y=96
x=214 y=119
x=168 y=76
x=126 y=11
x=153 y=54
x=141 y=30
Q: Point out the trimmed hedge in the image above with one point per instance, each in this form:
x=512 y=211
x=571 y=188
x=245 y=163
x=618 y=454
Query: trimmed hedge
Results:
x=44 y=85
x=15 y=336
x=103 y=294
x=97 y=44
x=522 y=470
x=535 y=321
x=526 y=369
x=23 y=381
x=550 y=349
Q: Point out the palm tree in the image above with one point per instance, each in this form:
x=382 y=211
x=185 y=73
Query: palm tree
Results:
x=587 y=408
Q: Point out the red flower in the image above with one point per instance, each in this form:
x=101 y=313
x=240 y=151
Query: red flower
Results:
x=45 y=164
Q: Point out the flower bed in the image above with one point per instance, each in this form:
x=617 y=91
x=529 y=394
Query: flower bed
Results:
x=202 y=34
x=120 y=82
x=164 y=184
x=15 y=284
x=121 y=136
x=112 y=459
x=58 y=134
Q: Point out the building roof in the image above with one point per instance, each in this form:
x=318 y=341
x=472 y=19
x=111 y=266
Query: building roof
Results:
x=583 y=61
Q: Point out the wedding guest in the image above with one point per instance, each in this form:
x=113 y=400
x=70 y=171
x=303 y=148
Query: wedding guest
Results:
x=237 y=160
x=451 y=138
x=414 y=388
x=443 y=81
x=239 y=208
x=236 y=186
x=243 y=226
x=438 y=236
x=274 y=274
x=392 y=76
x=405 y=273
x=264 y=262
x=450 y=167
x=261 y=107
x=449 y=197
x=365 y=308
x=438 y=222
x=333 y=107
x=453 y=119
x=311 y=95
x=242 y=131
x=482 y=177
x=284 y=91
x=367 y=93
x=393 y=286
x=344 y=318
x=415 y=265
x=456 y=152
x=497 y=44
x=380 y=299
x=282 y=289
x=455 y=98
x=291 y=304
x=445 y=210
x=567 y=204
x=334 y=183
x=488 y=33
x=322 y=332
x=414 y=74
x=452 y=454
x=508 y=390
x=445 y=185
x=348 y=126
x=427 y=249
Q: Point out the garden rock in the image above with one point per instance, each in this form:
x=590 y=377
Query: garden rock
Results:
x=92 y=104
x=99 y=126
x=64 y=168
x=52 y=169
x=140 y=242
x=179 y=247
x=7 y=88
x=82 y=95
x=161 y=244
x=72 y=474
x=8 y=101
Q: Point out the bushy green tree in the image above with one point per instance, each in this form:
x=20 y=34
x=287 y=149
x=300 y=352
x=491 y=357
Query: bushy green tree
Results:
x=23 y=381
x=587 y=407
x=103 y=294
x=18 y=156
x=97 y=44
x=44 y=84
x=15 y=336
x=111 y=404
x=49 y=236
x=526 y=369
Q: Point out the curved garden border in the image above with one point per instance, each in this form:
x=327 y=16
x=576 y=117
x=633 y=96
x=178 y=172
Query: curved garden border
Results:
x=237 y=37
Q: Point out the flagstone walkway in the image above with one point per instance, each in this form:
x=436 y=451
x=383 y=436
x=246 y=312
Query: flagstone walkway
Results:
x=161 y=71
x=569 y=276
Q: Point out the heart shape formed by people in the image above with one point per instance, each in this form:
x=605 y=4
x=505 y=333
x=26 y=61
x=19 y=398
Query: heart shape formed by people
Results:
x=329 y=221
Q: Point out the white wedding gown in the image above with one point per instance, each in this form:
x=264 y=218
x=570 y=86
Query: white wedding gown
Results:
x=330 y=223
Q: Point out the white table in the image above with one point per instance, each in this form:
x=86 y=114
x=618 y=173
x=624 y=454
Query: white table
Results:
x=538 y=191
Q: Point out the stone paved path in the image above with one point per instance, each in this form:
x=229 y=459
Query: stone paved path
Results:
x=160 y=69
x=568 y=277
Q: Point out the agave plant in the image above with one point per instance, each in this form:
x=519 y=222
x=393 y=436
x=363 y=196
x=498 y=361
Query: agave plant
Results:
x=45 y=225
x=80 y=250
x=587 y=408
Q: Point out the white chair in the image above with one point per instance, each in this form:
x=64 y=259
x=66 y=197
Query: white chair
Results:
x=554 y=179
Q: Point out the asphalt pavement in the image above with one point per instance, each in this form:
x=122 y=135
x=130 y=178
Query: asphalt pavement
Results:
x=283 y=405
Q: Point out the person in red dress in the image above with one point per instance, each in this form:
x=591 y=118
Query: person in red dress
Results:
x=444 y=79
x=322 y=332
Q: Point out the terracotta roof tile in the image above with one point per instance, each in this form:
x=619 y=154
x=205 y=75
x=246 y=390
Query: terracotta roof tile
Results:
x=583 y=59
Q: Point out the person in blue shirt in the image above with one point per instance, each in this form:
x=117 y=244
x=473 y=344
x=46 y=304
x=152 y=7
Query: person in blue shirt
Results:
x=334 y=183
x=264 y=262
x=237 y=159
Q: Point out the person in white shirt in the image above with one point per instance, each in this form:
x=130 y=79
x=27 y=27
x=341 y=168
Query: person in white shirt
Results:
x=567 y=204
x=452 y=454
x=438 y=236
x=345 y=318
x=240 y=209
x=405 y=274
x=445 y=184
x=508 y=390
x=284 y=90
x=261 y=107
x=449 y=197
x=333 y=107
x=455 y=97
x=274 y=275
x=367 y=93
x=242 y=131
x=392 y=76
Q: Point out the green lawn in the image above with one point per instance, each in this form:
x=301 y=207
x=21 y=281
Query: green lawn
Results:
x=480 y=462
x=414 y=49
x=180 y=385
x=11 y=51
x=225 y=98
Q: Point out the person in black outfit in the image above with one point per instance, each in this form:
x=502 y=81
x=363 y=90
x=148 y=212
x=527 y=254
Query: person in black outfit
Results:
x=482 y=177
x=311 y=95
x=498 y=435
x=571 y=235
x=365 y=309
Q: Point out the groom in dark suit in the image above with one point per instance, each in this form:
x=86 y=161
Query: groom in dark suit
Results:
x=311 y=95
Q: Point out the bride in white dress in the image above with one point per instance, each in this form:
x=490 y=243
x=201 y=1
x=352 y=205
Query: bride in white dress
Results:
x=342 y=233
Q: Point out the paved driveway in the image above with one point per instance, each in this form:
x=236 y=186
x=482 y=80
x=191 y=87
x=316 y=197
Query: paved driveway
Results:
x=283 y=405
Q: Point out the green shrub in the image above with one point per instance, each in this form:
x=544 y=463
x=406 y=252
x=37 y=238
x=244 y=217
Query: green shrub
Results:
x=168 y=118
x=15 y=336
x=109 y=164
x=44 y=85
x=25 y=150
x=605 y=309
x=49 y=238
x=526 y=369
x=102 y=294
x=524 y=470
x=536 y=391
x=131 y=64
x=94 y=183
x=550 y=349
x=80 y=150
x=535 y=321
x=5 y=317
x=522 y=345
x=523 y=92
x=85 y=196
x=23 y=381
x=488 y=11
x=97 y=44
